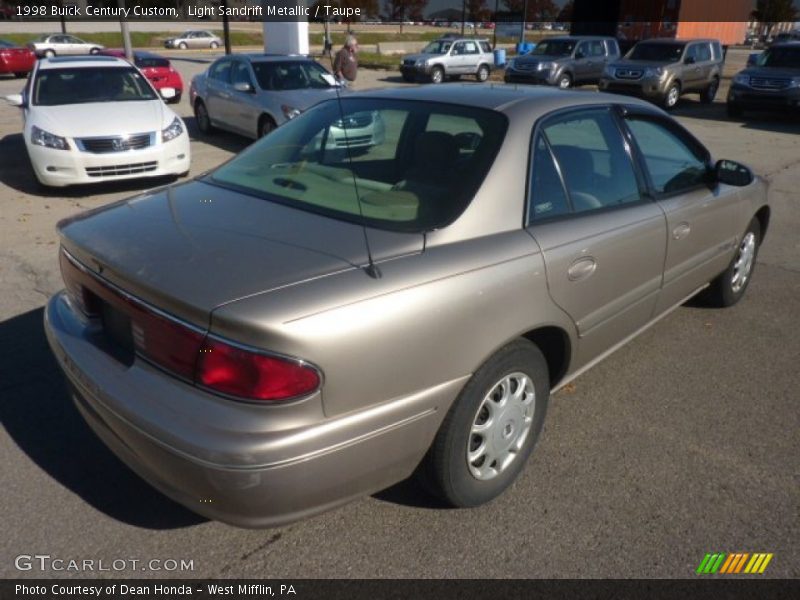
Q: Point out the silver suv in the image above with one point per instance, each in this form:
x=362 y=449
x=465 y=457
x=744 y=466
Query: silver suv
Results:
x=662 y=70
x=564 y=61
x=449 y=56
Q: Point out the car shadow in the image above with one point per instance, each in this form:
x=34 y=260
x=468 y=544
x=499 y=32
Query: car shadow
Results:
x=778 y=122
x=198 y=61
x=224 y=140
x=17 y=173
x=39 y=416
x=410 y=493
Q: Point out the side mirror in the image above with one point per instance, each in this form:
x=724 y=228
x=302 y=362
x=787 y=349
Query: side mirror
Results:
x=167 y=93
x=16 y=100
x=733 y=173
x=752 y=59
x=689 y=60
x=243 y=86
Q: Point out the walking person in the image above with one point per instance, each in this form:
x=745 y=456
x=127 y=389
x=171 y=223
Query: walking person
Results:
x=345 y=65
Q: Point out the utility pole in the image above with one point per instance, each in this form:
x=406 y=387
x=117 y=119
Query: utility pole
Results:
x=524 y=17
x=126 y=34
x=463 y=15
x=226 y=30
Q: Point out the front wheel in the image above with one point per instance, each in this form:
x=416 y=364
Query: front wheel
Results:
x=214 y=45
x=202 y=118
x=564 y=81
x=266 y=126
x=437 y=75
x=49 y=53
x=183 y=46
x=20 y=74
x=483 y=73
x=707 y=95
x=672 y=96
x=729 y=287
x=94 y=51
x=491 y=428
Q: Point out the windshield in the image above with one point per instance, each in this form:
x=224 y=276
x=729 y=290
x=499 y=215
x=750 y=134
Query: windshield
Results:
x=786 y=57
x=437 y=47
x=78 y=85
x=554 y=48
x=5 y=44
x=391 y=164
x=150 y=62
x=291 y=75
x=657 y=52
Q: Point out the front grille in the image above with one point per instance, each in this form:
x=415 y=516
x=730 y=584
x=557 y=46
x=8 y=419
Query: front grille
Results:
x=526 y=67
x=769 y=83
x=629 y=73
x=353 y=140
x=120 y=143
x=129 y=169
x=409 y=62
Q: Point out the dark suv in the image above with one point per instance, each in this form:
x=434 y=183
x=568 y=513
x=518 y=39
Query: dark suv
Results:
x=564 y=61
x=662 y=70
x=773 y=82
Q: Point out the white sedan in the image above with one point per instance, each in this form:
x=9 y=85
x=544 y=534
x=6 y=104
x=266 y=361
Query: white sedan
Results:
x=91 y=119
x=62 y=44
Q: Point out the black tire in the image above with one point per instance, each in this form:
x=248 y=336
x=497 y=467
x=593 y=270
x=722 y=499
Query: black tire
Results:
x=446 y=470
x=483 y=73
x=20 y=75
x=723 y=291
x=672 y=96
x=734 y=110
x=49 y=53
x=94 y=51
x=202 y=118
x=213 y=45
x=183 y=46
x=707 y=95
x=266 y=125
x=564 y=81
x=437 y=75
x=176 y=99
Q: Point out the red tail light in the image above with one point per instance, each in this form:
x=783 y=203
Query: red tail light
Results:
x=168 y=344
x=251 y=375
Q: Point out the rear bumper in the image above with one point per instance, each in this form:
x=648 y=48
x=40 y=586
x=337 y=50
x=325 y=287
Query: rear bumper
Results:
x=243 y=464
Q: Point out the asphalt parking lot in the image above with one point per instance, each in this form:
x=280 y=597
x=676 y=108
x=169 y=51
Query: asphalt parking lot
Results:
x=682 y=443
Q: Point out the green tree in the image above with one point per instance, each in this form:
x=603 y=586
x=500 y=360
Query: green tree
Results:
x=772 y=12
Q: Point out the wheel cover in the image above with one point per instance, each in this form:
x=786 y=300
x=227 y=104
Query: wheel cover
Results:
x=564 y=82
x=672 y=96
x=744 y=262
x=483 y=73
x=501 y=426
x=437 y=75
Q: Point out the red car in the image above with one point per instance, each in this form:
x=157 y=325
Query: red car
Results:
x=16 y=59
x=156 y=68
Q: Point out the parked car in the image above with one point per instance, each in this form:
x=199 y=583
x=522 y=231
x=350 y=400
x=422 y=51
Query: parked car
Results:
x=252 y=94
x=449 y=56
x=772 y=83
x=194 y=39
x=156 y=68
x=352 y=320
x=62 y=44
x=661 y=70
x=87 y=120
x=564 y=61
x=15 y=60
x=787 y=36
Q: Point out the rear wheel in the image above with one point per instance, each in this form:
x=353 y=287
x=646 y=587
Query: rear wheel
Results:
x=672 y=96
x=483 y=73
x=20 y=75
x=183 y=46
x=437 y=75
x=202 y=118
x=729 y=287
x=94 y=50
x=491 y=428
x=49 y=53
x=214 y=45
x=266 y=125
x=707 y=95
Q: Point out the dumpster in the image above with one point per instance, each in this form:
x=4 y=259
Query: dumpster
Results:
x=500 y=57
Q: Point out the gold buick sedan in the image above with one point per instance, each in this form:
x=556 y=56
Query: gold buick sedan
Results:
x=311 y=322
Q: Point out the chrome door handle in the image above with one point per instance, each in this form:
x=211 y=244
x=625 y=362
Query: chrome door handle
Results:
x=581 y=268
x=681 y=231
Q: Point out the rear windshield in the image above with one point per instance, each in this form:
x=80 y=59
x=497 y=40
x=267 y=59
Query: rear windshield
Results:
x=148 y=62
x=786 y=57
x=90 y=84
x=290 y=75
x=554 y=48
x=391 y=164
x=657 y=52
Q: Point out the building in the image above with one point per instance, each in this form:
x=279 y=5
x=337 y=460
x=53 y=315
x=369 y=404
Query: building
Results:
x=633 y=20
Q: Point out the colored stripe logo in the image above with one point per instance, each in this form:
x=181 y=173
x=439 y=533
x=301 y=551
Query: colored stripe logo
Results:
x=734 y=564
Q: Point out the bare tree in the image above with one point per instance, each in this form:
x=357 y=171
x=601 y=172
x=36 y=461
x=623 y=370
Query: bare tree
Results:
x=772 y=12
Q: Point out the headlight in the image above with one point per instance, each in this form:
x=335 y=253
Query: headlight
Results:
x=420 y=62
x=657 y=72
x=609 y=71
x=290 y=112
x=794 y=82
x=40 y=137
x=741 y=79
x=174 y=130
x=510 y=63
x=544 y=66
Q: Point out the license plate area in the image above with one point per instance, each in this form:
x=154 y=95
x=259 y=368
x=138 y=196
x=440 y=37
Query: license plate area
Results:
x=116 y=336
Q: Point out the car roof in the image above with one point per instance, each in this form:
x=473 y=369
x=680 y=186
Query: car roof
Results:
x=787 y=44
x=578 y=38
x=499 y=97
x=264 y=57
x=676 y=40
x=63 y=62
